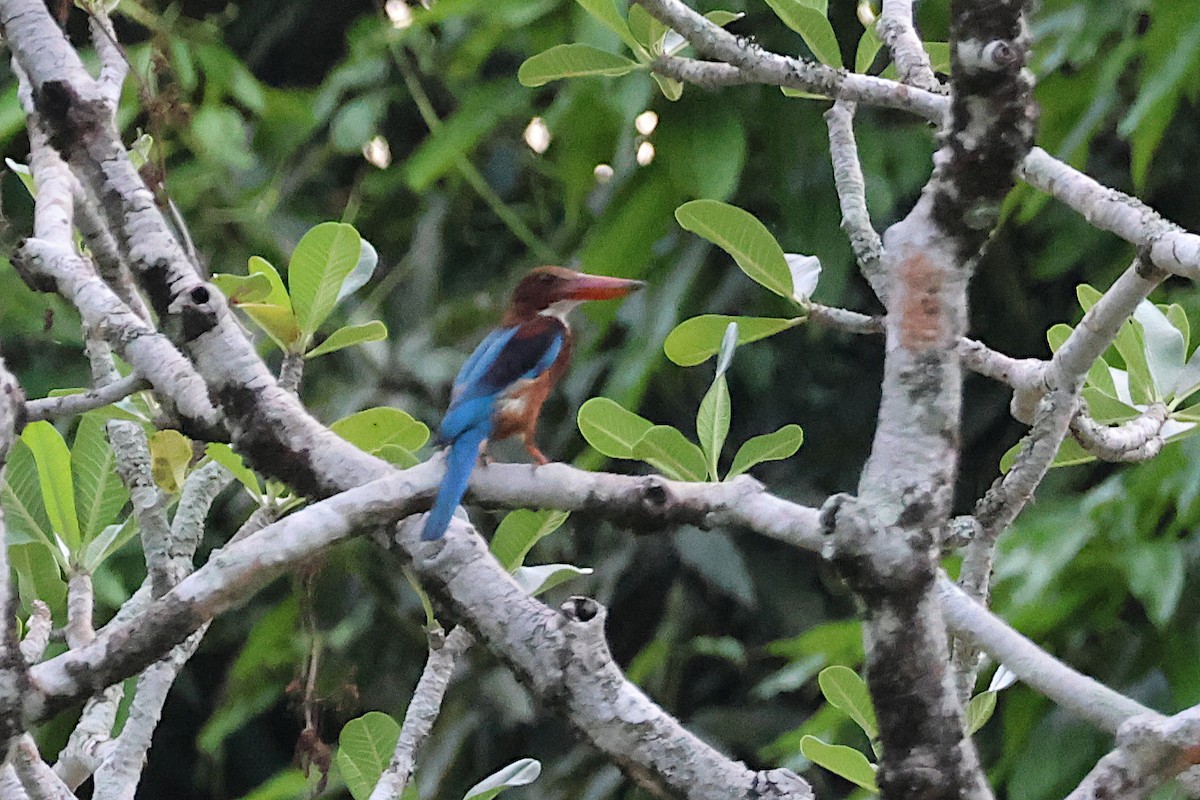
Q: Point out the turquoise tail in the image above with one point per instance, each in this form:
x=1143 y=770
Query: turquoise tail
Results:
x=460 y=462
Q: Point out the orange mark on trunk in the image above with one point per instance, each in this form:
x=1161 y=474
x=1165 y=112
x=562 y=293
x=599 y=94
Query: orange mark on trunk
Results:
x=922 y=323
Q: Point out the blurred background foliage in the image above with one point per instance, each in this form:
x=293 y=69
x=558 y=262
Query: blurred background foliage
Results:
x=260 y=111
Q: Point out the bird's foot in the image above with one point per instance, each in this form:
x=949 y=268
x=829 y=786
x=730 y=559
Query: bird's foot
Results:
x=539 y=457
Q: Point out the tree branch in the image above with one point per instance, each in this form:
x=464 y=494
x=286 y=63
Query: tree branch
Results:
x=852 y=194
x=1075 y=692
x=563 y=659
x=755 y=65
x=895 y=29
x=423 y=710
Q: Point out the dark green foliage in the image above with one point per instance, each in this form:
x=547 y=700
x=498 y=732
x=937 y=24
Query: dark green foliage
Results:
x=259 y=112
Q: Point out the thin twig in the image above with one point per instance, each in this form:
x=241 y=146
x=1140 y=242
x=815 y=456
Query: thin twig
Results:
x=852 y=195
x=1072 y=690
x=423 y=710
x=895 y=29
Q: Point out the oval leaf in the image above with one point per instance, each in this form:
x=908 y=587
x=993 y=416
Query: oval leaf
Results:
x=24 y=510
x=518 y=773
x=611 y=429
x=258 y=265
x=99 y=492
x=373 y=331
x=109 y=541
x=571 y=61
x=606 y=11
x=520 y=530
x=980 y=710
x=278 y=322
x=224 y=455
x=813 y=28
x=776 y=446
x=697 y=339
x=712 y=422
x=669 y=451
x=54 y=474
x=845 y=690
x=840 y=760
x=740 y=234
x=243 y=288
x=364 y=749
x=322 y=260
x=373 y=428
x=170 y=454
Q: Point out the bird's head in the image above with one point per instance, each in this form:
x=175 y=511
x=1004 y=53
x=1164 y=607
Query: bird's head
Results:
x=557 y=290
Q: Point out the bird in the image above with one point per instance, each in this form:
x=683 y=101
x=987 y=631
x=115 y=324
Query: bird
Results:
x=502 y=385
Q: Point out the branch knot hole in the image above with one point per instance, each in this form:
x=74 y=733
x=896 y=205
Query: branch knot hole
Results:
x=581 y=609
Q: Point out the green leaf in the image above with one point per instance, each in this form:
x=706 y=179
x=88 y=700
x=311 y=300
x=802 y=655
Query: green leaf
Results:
x=813 y=27
x=840 y=760
x=606 y=11
x=400 y=456
x=712 y=423
x=170 y=454
x=1188 y=380
x=519 y=773
x=321 y=262
x=1107 y=409
x=224 y=455
x=1178 y=317
x=99 y=493
x=109 y=541
x=1166 y=349
x=520 y=530
x=669 y=451
x=373 y=331
x=23 y=172
x=939 y=55
x=279 y=294
x=373 y=428
x=671 y=88
x=776 y=446
x=54 y=474
x=714 y=557
x=278 y=322
x=24 y=510
x=39 y=574
x=1087 y=295
x=868 y=47
x=243 y=288
x=980 y=710
x=695 y=340
x=845 y=690
x=1156 y=571
x=364 y=748
x=571 y=61
x=544 y=577
x=1130 y=343
x=740 y=234
x=611 y=429
x=647 y=30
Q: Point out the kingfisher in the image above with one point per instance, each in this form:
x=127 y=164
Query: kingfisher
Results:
x=501 y=387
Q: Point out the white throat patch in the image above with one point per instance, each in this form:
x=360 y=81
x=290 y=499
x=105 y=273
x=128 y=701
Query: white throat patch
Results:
x=560 y=309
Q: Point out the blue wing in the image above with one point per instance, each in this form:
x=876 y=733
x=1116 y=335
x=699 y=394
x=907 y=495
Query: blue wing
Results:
x=506 y=356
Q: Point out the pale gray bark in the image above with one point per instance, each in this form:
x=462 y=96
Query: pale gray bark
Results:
x=422 y=712
x=895 y=29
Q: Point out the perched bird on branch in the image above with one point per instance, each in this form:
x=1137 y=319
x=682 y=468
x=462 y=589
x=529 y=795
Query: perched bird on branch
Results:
x=500 y=389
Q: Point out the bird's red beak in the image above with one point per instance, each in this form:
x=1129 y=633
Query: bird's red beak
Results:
x=599 y=287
